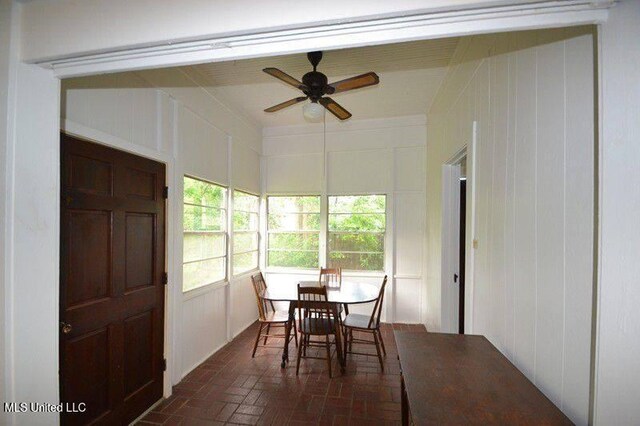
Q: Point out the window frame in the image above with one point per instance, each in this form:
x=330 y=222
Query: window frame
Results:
x=384 y=234
x=225 y=234
x=269 y=232
x=234 y=232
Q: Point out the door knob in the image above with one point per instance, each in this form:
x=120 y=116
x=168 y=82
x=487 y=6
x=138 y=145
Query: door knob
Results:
x=455 y=278
x=65 y=327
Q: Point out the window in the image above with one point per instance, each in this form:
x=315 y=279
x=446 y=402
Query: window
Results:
x=204 y=227
x=245 y=232
x=293 y=225
x=356 y=232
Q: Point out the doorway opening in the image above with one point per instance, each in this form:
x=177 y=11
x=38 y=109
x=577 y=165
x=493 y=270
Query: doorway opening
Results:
x=461 y=242
x=454 y=256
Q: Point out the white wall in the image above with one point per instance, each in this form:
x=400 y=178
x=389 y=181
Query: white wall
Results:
x=164 y=115
x=383 y=156
x=531 y=94
x=5 y=40
x=617 y=384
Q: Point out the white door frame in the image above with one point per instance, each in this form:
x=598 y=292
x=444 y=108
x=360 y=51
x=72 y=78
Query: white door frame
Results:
x=449 y=288
x=450 y=237
x=31 y=275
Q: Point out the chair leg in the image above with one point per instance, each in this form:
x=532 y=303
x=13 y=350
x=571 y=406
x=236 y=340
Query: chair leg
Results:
x=267 y=336
x=350 y=340
x=384 y=351
x=303 y=343
x=375 y=338
x=295 y=333
x=302 y=340
x=257 y=340
x=328 y=354
x=345 y=336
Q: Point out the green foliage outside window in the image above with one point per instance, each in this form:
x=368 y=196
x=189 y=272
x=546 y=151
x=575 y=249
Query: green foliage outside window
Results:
x=356 y=232
x=293 y=224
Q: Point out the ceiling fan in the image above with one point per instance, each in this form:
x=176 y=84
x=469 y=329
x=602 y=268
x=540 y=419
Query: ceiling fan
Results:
x=315 y=86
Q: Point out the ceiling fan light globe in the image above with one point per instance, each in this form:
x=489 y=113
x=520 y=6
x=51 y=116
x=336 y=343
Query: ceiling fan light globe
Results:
x=313 y=112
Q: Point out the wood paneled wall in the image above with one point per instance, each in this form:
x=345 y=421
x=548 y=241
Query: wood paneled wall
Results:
x=532 y=97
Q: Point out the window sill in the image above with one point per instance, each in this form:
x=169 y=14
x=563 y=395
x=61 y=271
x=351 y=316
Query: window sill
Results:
x=197 y=292
x=316 y=272
x=245 y=274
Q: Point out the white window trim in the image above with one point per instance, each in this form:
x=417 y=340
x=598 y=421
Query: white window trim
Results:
x=233 y=232
x=224 y=281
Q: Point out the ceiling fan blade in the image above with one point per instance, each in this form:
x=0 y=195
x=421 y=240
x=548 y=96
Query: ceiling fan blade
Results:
x=281 y=75
x=363 y=80
x=335 y=108
x=286 y=104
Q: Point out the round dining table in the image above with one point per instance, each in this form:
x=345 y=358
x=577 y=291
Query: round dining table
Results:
x=347 y=293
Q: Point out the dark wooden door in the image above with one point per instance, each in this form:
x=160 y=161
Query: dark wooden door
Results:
x=111 y=282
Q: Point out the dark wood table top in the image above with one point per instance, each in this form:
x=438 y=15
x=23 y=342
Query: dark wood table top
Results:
x=464 y=379
x=349 y=292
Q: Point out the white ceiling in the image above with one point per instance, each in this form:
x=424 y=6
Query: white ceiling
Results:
x=410 y=74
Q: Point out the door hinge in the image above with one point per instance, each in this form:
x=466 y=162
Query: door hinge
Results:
x=164 y=364
x=165 y=278
x=165 y=192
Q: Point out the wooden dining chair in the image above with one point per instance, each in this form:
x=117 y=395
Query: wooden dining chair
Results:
x=268 y=316
x=368 y=325
x=332 y=277
x=316 y=319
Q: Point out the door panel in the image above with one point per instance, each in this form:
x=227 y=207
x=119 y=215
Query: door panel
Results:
x=89 y=384
x=138 y=348
x=111 y=291
x=89 y=260
x=139 y=255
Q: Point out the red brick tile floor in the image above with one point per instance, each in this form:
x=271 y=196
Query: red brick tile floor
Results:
x=232 y=388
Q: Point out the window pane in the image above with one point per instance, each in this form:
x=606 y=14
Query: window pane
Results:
x=197 y=218
x=357 y=222
x=298 y=259
x=245 y=241
x=203 y=245
x=356 y=242
x=287 y=246
x=245 y=262
x=244 y=221
x=245 y=202
x=294 y=222
x=204 y=223
x=294 y=241
x=307 y=204
x=197 y=274
x=356 y=232
x=204 y=193
x=358 y=204
x=357 y=261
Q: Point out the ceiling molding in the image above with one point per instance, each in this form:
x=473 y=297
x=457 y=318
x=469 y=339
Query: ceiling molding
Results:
x=435 y=24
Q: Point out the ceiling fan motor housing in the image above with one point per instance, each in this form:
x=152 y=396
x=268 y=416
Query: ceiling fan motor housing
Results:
x=316 y=85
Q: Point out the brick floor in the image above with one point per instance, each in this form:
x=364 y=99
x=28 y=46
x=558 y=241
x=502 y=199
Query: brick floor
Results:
x=232 y=388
